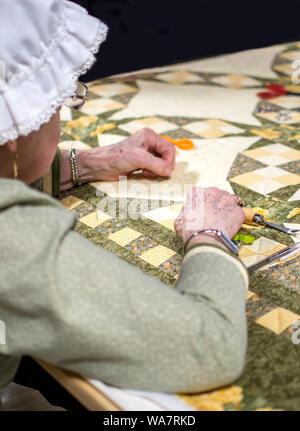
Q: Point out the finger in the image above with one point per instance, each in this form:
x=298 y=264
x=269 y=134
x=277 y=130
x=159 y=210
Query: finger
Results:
x=156 y=165
x=234 y=202
x=149 y=174
x=227 y=201
x=242 y=214
x=238 y=200
x=167 y=151
x=179 y=227
x=160 y=146
x=212 y=193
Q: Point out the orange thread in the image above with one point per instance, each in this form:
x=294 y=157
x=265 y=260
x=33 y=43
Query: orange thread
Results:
x=183 y=144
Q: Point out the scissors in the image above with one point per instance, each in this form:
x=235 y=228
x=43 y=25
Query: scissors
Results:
x=253 y=217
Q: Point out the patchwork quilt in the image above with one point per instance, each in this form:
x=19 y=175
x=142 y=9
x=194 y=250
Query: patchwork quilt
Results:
x=242 y=143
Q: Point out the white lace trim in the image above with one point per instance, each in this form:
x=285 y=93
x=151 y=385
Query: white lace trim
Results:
x=34 y=124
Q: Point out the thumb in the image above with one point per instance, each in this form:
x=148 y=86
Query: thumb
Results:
x=149 y=174
x=156 y=165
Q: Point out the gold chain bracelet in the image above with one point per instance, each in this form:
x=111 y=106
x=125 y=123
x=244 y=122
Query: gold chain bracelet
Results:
x=74 y=168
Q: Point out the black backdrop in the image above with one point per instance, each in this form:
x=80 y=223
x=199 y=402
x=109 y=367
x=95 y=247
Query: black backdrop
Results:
x=146 y=33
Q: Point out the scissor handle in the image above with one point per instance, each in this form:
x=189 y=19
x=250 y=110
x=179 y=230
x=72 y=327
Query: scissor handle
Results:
x=249 y=215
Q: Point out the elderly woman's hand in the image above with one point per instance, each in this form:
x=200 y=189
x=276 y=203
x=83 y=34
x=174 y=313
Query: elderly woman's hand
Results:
x=145 y=150
x=208 y=208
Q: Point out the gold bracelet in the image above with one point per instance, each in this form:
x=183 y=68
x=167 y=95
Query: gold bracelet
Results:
x=74 y=168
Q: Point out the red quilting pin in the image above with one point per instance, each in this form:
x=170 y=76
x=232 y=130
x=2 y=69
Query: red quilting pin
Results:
x=275 y=90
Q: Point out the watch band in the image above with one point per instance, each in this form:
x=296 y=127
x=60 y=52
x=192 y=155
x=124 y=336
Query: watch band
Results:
x=230 y=245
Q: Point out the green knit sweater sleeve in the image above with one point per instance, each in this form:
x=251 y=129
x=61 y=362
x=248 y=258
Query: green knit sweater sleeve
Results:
x=76 y=305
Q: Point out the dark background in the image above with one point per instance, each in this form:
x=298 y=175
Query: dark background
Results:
x=147 y=33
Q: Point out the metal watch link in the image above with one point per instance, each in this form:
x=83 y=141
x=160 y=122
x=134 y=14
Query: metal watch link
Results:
x=230 y=245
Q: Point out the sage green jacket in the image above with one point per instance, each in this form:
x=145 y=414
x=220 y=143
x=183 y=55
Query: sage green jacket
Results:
x=73 y=304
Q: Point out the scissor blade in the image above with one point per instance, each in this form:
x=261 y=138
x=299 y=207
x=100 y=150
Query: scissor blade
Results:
x=284 y=253
x=279 y=227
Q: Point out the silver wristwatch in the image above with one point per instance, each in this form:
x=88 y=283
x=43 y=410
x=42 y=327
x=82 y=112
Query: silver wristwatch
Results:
x=230 y=245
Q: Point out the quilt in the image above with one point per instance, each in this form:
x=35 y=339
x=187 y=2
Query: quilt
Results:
x=243 y=143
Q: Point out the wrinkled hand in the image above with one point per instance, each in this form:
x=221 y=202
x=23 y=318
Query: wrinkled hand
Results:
x=145 y=150
x=209 y=208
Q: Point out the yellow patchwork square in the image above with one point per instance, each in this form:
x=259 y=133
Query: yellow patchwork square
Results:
x=157 y=255
x=212 y=133
x=285 y=68
x=291 y=155
x=102 y=217
x=249 y=294
x=216 y=123
x=248 y=179
x=124 y=236
x=111 y=90
x=70 y=202
x=273 y=250
x=257 y=153
x=278 y=320
x=150 y=121
x=288 y=180
x=246 y=252
x=168 y=223
x=179 y=77
x=295 y=116
x=290 y=55
x=176 y=208
x=91 y=220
